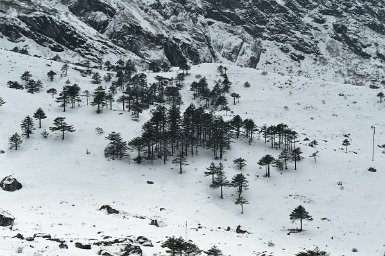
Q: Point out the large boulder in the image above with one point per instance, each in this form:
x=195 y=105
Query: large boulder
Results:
x=6 y=219
x=132 y=250
x=11 y=184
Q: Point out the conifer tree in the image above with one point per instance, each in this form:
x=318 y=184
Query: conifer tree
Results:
x=214 y=251
x=267 y=160
x=300 y=214
x=137 y=144
x=52 y=91
x=39 y=114
x=116 y=147
x=51 y=75
x=285 y=157
x=99 y=99
x=73 y=93
x=175 y=245
x=237 y=123
x=212 y=170
x=346 y=143
x=240 y=163
x=235 y=96
x=96 y=78
x=296 y=156
x=15 y=141
x=26 y=76
x=315 y=156
x=314 y=252
x=180 y=160
x=61 y=126
x=33 y=86
x=381 y=95
x=240 y=182
x=27 y=126
x=63 y=98
x=86 y=94
x=220 y=181
x=15 y=85
x=241 y=201
x=2 y=102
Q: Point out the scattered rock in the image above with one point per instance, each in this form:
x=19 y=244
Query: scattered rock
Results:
x=371 y=169
x=104 y=253
x=144 y=241
x=63 y=246
x=29 y=239
x=150 y=182
x=109 y=209
x=154 y=223
x=240 y=231
x=9 y=183
x=6 y=219
x=2 y=151
x=132 y=250
x=19 y=236
x=42 y=235
x=83 y=246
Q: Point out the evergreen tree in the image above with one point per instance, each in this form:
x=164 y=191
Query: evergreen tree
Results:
x=313 y=144
x=246 y=84
x=138 y=144
x=300 y=214
x=108 y=65
x=52 y=91
x=285 y=157
x=63 y=98
x=381 y=96
x=2 y=102
x=212 y=170
x=240 y=182
x=26 y=76
x=110 y=99
x=235 y=96
x=15 y=85
x=51 y=75
x=221 y=102
x=62 y=126
x=220 y=181
x=346 y=143
x=96 y=78
x=180 y=160
x=237 y=123
x=214 y=251
x=315 y=252
x=116 y=147
x=241 y=201
x=175 y=245
x=190 y=249
x=154 y=67
x=33 y=87
x=267 y=160
x=15 y=141
x=86 y=94
x=315 y=156
x=296 y=156
x=249 y=126
x=99 y=99
x=27 y=126
x=39 y=114
x=240 y=163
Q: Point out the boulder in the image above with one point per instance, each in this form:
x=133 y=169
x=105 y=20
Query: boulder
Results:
x=144 y=241
x=11 y=184
x=83 y=246
x=6 y=219
x=109 y=209
x=132 y=250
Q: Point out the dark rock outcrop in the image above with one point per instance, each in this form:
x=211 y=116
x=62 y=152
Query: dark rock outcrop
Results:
x=109 y=209
x=6 y=219
x=10 y=184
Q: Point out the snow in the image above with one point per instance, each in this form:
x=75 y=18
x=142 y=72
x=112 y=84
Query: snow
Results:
x=64 y=187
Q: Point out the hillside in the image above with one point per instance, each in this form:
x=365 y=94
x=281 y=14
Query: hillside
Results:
x=65 y=182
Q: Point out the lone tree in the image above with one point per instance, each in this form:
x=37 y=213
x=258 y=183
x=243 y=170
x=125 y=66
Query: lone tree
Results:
x=39 y=114
x=214 y=251
x=51 y=75
x=52 y=91
x=240 y=163
x=240 y=182
x=62 y=126
x=381 y=96
x=15 y=141
x=220 y=181
x=180 y=160
x=99 y=99
x=241 y=201
x=27 y=126
x=267 y=160
x=300 y=214
x=315 y=252
x=296 y=156
x=116 y=147
x=346 y=143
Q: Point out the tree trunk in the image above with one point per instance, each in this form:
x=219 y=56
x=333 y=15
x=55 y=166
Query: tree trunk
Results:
x=221 y=192
x=301 y=225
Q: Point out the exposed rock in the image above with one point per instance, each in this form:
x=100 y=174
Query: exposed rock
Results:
x=19 y=236
x=63 y=246
x=83 y=246
x=144 y=241
x=42 y=235
x=150 y=182
x=240 y=231
x=109 y=209
x=132 y=250
x=6 y=219
x=154 y=223
x=9 y=183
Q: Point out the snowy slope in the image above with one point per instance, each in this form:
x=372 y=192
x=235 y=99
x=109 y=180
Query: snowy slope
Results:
x=63 y=187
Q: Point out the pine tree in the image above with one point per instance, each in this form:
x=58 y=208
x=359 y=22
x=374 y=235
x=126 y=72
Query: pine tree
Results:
x=15 y=85
x=86 y=94
x=346 y=143
x=285 y=157
x=267 y=160
x=296 y=156
x=240 y=163
x=249 y=126
x=26 y=76
x=52 y=91
x=27 y=126
x=315 y=252
x=116 y=147
x=313 y=144
x=190 y=248
x=315 y=156
x=300 y=214
x=62 y=126
x=175 y=245
x=381 y=96
x=39 y=114
x=51 y=75
x=99 y=99
x=241 y=201
x=180 y=160
x=15 y=141
x=2 y=102
x=237 y=123
x=214 y=251
x=240 y=182
x=235 y=96
x=212 y=170
x=220 y=181
x=33 y=87
x=63 y=98
x=138 y=144
x=96 y=78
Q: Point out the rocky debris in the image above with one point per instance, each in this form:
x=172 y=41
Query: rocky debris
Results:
x=42 y=235
x=371 y=169
x=6 y=219
x=83 y=246
x=154 y=223
x=150 y=182
x=142 y=240
x=63 y=246
x=132 y=250
x=19 y=236
x=113 y=241
x=104 y=253
x=109 y=209
x=10 y=184
x=241 y=231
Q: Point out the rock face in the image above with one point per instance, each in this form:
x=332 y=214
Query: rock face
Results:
x=10 y=184
x=6 y=219
x=132 y=250
x=109 y=209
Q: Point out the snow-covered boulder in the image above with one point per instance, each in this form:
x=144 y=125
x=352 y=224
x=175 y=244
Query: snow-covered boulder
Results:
x=132 y=250
x=144 y=241
x=6 y=219
x=11 y=184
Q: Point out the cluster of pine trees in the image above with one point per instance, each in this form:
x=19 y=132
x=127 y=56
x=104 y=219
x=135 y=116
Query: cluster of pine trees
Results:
x=179 y=246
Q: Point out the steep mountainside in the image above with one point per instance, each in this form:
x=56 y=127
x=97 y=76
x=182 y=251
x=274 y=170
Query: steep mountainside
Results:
x=330 y=39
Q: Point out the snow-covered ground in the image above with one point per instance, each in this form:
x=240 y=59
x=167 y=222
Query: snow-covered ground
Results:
x=63 y=186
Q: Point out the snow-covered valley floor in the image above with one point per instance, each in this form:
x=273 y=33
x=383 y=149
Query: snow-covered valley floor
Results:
x=64 y=187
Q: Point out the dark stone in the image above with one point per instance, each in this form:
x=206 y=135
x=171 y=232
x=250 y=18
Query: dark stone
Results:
x=42 y=235
x=83 y=246
x=19 y=236
x=132 y=250
x=63 y=246
x=6 y=219
x=109 y=209
x=144 y=241
x=371 y=169
x=240 y=231
x=150 y=182
x=154 y=223
x=11 y=184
